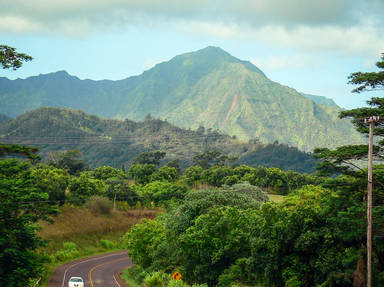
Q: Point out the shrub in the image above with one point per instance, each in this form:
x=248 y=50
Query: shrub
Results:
x=177 y=283
x=158 y=279
x=70 y=251
x=137 y=273
x=107 y=244
x=99 y=205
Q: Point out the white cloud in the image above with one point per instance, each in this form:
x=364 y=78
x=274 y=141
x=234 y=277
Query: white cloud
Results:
x=251 y=12
x=282 y=62
x=342 y=26
x=361 y=39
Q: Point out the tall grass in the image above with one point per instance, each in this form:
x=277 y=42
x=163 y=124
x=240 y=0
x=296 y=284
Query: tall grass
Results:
x=88 y=232
x=86 y=228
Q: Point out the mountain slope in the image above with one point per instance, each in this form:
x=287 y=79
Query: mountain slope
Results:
x=320 y=100
x=207 y=88
x=116 y=142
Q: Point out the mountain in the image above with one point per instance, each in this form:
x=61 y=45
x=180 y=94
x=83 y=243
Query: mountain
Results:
x=117 y=142
x=207 y=88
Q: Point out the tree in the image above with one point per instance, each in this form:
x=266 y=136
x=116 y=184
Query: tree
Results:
x=19 y=151
x=70 y=160
x=221 y=236
x=165 y=173
x=22 y=205
x=369 y=81
x=83 y=187
x=161 y=192
x=346 y=160
x=141 y=173
x=9 y=58
x=150 y=157
x=51 y=180
x=211 y=158
x=143 y=239
x=107 y=172
x=343 y=159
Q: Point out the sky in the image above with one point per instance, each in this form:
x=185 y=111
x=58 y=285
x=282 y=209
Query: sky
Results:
x=309 y=45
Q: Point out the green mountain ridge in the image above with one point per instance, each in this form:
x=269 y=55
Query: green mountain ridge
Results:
x=320 y=100
x=117 y=142
x=207 y=88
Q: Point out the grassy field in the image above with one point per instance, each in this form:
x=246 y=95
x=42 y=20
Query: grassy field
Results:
x=91 y=233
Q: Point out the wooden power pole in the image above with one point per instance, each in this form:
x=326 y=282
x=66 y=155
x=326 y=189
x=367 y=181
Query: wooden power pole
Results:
x=371 y=121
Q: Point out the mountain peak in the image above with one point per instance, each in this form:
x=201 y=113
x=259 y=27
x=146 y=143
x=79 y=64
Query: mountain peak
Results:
x=213 y=50
x=212 y=56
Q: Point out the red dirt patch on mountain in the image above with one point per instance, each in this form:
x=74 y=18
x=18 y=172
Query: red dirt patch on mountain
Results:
x=234 y=103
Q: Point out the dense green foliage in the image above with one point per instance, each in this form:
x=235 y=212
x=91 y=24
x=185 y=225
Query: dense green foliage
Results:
x=272 y=179
x=219 y=237
x=70 y=160
x=22 y=205
x=207 y=231
x=53 y=181
x=17 y=150
x=207 y=88
x=117 y=143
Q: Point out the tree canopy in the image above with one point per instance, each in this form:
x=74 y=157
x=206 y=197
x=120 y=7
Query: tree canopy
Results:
x=9 y=58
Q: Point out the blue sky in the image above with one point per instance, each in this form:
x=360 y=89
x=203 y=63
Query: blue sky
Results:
x=309 y=45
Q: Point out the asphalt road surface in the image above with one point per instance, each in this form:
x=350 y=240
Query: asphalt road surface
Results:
x=96 y=271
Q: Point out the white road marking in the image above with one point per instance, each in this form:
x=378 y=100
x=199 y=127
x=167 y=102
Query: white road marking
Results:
x=116 y=280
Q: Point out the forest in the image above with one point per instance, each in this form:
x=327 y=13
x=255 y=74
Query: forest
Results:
x=116 y=142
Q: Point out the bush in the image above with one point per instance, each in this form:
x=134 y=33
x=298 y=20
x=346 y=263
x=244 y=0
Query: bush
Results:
x=177 y=283
x=107 y=244
x=157 y=279
x=99 y=205
x=137 y=273
x=245 y=188
x=70 y=251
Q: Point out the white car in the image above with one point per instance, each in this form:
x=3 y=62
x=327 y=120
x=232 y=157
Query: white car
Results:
x=76 y=282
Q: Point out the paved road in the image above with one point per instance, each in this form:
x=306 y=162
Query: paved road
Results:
x=97 y=271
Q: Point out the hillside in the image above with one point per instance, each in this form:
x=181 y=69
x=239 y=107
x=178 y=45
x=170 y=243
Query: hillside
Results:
x=207 y=88
x=4 y=119
x=117 y=142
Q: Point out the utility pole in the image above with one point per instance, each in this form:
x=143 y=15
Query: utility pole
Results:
x=114 y=202
x=371 y=121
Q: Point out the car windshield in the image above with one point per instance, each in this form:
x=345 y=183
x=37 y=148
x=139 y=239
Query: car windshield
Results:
x=75 y=280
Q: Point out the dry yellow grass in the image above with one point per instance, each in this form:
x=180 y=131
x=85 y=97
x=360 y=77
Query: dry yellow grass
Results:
x=79 y=225
x=74 y=221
